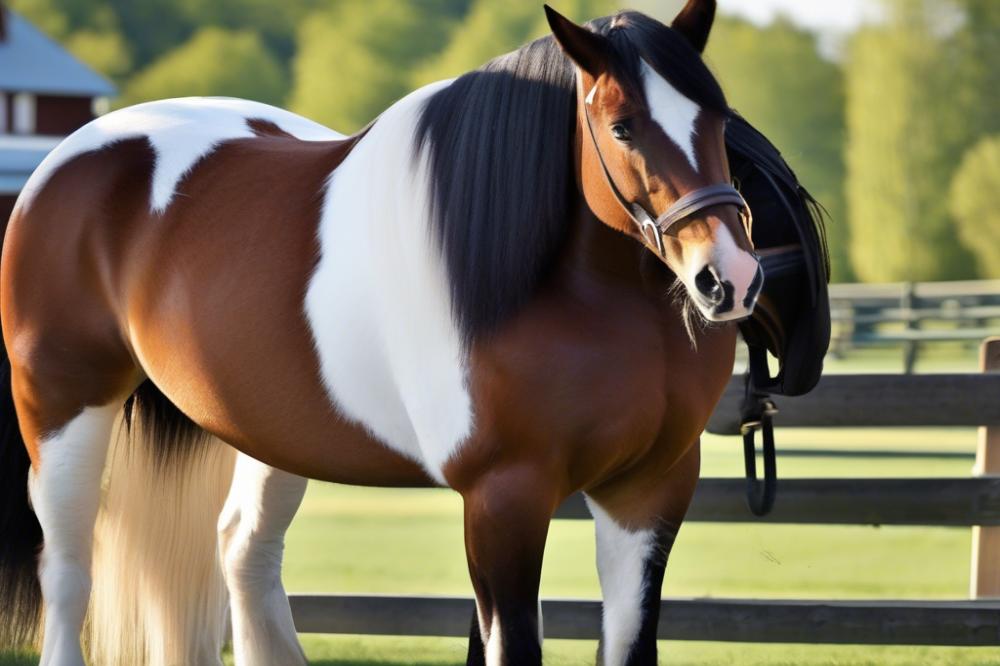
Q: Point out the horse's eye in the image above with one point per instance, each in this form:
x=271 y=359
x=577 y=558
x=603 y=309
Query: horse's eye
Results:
x=620 y=132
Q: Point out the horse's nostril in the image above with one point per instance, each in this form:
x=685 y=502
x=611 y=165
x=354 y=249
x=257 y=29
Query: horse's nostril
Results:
x=708 y=285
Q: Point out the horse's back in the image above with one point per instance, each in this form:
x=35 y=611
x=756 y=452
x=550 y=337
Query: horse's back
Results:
x=179 y=132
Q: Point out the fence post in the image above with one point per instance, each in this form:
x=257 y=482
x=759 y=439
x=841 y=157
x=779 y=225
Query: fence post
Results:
x=984 y=579
x=908 y=303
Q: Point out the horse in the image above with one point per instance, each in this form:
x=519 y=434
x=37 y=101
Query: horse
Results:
x=519 y=284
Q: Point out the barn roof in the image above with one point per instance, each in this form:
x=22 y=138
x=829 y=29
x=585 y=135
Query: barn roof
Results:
x=31 y=62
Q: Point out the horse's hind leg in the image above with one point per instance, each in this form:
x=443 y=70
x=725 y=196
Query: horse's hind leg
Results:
x=67 y=391
x=65 y=493
x=260 y=507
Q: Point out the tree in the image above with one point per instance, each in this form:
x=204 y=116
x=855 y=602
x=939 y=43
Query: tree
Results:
x=973 y=204
x=101 y=44
x=104 y=50
x=490 y=29
x=493 y=28
x=905 y=134
x=355 y=59
x=977 y=52
x=777 y=79
x=213 y=62
x=275 y=22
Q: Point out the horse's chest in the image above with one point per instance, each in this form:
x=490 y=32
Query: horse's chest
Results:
x=599 y=388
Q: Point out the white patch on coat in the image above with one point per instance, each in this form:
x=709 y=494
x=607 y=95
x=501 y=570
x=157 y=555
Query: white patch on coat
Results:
x=65 y=494
x=729 y=263
x=181 y=132
x=494 y=643
x=672 y=111
x=621 y=565
x=378 y=304
x=261 y=505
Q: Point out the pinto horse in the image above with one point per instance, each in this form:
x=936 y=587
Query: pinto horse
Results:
x=519 y=284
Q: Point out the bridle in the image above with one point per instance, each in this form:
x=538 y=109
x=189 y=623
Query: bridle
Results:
x=759 y=409
x=651 y=228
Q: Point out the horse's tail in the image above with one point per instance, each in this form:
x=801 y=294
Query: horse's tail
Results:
x=20 y=532
x=158 y=594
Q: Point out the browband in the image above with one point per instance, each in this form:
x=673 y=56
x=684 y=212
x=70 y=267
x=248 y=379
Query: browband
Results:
x=652 y=230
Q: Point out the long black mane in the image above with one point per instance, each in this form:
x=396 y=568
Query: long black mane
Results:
x=499 y=141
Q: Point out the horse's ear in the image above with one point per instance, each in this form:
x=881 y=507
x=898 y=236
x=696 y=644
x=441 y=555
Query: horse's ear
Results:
x=587 y=49
x=695 y=22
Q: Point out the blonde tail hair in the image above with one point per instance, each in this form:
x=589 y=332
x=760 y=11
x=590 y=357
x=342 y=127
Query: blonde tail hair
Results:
x=159 y=598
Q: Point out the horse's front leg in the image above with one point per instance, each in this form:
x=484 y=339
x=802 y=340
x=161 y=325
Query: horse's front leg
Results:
x=507 y=514
x=636 y=519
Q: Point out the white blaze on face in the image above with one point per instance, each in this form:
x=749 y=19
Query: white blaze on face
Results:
x=672 y=111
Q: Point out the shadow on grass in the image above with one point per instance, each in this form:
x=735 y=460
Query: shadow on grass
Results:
x=18 y=659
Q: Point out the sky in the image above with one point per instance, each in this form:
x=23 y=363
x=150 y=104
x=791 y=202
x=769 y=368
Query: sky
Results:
x=819 y=15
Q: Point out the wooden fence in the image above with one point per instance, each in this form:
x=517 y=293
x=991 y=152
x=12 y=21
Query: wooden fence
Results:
x=839 y=400
x=896 y=314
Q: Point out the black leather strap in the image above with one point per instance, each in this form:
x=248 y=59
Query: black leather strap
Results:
x=692 y=202
x=757 y=414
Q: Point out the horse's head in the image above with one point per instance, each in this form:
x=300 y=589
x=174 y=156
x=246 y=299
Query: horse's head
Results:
x=651 y=151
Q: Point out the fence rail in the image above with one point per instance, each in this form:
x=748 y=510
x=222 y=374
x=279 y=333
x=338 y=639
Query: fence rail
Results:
x=966 y=623
x=877 y=401
x=936 y=502
x=971 y=309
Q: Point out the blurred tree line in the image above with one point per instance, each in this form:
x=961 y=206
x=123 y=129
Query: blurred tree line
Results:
x=898 y=135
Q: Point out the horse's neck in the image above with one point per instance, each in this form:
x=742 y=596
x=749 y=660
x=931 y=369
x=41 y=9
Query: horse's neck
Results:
x=596 y=251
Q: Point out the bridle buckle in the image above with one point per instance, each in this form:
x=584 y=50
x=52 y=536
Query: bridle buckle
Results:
x=651 y=232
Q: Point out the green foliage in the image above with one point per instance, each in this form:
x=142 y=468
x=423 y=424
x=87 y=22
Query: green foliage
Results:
x=275 y=22
x=490 y=29
x=907 y=132
x=973 y=203
x=975 y=64
x=45 y=15
x=777 y=79
x=213 y=62
x=493 y=28
x=106 y=52
x=355 y=59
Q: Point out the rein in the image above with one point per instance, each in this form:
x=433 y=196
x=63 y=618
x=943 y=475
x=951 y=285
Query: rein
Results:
x=652 y=229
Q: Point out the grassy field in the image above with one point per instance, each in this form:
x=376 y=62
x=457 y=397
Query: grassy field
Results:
x=410 y=542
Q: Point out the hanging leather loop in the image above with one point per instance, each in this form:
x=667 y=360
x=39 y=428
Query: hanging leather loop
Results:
x=757 y=414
